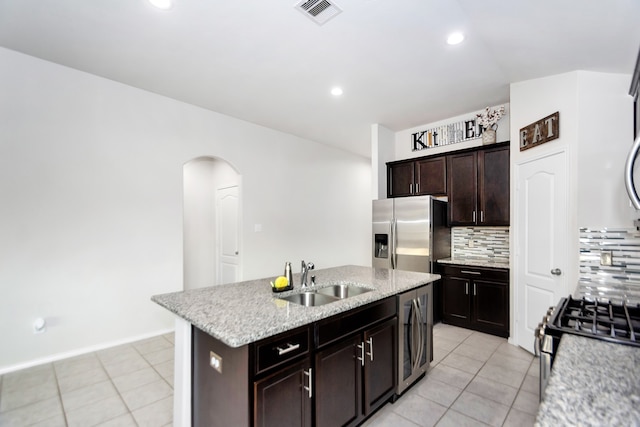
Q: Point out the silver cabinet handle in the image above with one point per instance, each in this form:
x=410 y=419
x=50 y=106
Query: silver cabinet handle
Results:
x=474 y=290
x=290 y=348
x=310 y=388
x=556 y=272
x=477 y=273
x=417 y=187
x=474 y=216
x=361 y=358
x=370 y=353
x=466 y=288
x=481 y=216
x=410 y=188
x=628 y=174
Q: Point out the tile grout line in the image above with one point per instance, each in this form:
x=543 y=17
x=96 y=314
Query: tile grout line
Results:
x=64 y=411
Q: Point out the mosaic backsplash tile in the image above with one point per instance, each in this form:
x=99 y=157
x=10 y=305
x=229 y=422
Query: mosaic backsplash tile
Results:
x=617 y=282
x=480 y=242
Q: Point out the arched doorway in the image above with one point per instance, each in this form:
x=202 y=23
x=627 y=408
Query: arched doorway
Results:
x=211 y=224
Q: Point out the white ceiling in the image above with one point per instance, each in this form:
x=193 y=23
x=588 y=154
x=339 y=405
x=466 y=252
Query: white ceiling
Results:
x=265 y=62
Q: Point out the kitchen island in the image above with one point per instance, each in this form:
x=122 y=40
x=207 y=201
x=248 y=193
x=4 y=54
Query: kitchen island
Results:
x=241 y=314
x=592 y=383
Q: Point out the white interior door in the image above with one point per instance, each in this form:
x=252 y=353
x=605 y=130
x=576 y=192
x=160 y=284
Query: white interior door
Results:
x=228 y=232
x=542 y=241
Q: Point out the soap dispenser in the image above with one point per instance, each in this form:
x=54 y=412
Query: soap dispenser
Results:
x=288 y=274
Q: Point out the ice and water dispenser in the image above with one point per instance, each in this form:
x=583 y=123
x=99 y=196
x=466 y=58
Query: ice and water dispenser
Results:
x=381 y=246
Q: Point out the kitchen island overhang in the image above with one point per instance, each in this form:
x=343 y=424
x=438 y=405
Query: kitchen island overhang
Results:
x=243 y=313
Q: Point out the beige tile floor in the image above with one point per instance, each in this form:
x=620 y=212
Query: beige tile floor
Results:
x=128 y=385
x=474 y=380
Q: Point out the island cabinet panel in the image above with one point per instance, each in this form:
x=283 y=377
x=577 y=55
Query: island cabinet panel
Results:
x=476 y=298
x=219 y=397
x=356 y=375
x=338 y=384
x=478 y=184
x=284 y=398
x=333 y=372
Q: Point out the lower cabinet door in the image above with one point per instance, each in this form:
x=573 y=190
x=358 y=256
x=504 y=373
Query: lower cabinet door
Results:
x=338 y=383
x=456 y=304
x=491 y=306
x=283 y=398
x=380 y=365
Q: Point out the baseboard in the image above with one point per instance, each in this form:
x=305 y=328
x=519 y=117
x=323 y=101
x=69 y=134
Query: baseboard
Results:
x=79 y=352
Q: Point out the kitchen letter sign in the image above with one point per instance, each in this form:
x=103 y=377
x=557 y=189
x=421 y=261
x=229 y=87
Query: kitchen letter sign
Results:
x=542 y=131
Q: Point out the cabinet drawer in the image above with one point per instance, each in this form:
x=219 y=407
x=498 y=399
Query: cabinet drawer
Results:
x=275 y=351
x=499 y=274
x=336 y=327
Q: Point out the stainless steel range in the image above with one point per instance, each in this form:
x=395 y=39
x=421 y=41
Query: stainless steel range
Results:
x=618 y=323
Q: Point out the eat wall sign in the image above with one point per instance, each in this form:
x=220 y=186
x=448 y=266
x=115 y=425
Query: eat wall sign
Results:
x=542 y=131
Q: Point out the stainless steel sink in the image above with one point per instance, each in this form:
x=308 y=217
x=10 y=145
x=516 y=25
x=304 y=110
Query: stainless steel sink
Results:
x=343 y=291
x=310 y=299
x=325 y=295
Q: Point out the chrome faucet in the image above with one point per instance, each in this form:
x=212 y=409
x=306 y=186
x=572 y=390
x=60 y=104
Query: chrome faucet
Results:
x=305 y=270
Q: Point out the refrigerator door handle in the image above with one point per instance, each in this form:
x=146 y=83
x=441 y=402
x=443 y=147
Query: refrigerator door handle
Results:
x=394 y=239
x=628 y=174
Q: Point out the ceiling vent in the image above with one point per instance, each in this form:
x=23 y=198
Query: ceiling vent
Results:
x=319 y=11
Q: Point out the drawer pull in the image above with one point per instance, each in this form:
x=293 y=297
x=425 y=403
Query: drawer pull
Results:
x=477 y=273
x=289 y=349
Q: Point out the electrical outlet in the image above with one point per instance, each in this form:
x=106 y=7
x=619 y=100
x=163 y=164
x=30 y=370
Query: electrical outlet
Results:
x=215 y=361
x=470 y=243
x=606 y=258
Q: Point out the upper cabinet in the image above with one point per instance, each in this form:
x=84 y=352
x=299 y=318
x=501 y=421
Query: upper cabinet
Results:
x=417 y=177
x=475 y=180
x=479 y=187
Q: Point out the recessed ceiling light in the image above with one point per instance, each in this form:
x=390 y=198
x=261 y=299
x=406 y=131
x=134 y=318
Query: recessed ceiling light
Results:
x=455 y=38
x=336 y=91
x=161 y=4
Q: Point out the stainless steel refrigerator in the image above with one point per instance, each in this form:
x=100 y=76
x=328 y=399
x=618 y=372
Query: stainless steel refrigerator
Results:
x=410 y=233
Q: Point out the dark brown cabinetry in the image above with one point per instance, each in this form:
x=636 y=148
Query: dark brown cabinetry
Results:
x=478 y=183
x=284 y=398
x=476 y=298
x=355 y=376
x=417 y=177
x=334 y=372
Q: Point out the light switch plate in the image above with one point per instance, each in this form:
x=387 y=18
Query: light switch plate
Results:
x=606 y=258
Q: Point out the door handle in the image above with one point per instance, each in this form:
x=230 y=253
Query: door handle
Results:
x=556 y=272
x=361 y=358
x=370 y=353
x=310 y=388
x=628 y=174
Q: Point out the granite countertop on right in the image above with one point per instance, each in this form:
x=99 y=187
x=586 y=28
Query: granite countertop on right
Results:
x=593 y=383
x=476 y=262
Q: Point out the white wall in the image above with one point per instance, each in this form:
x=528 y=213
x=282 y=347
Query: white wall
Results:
x=382 y=151
x=91 y=183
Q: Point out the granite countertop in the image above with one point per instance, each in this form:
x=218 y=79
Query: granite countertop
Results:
x=245 y=312
x=592 y=383
x=476 y=262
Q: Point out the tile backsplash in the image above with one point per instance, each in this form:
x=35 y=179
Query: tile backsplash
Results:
x=480 y=242
x=617 y=282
